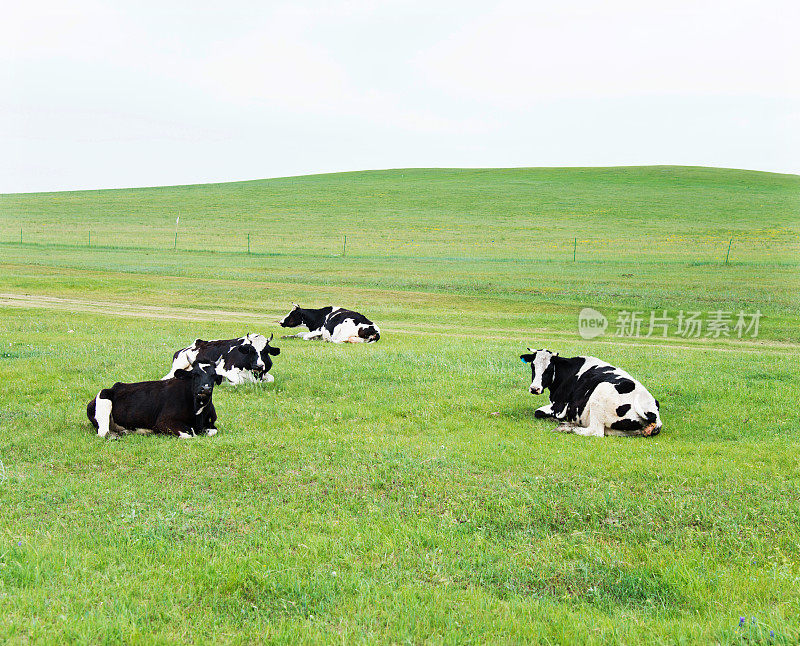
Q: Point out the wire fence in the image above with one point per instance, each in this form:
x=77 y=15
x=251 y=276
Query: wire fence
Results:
x=431 y=242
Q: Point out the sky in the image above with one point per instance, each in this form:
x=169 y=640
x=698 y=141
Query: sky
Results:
x=115 y=94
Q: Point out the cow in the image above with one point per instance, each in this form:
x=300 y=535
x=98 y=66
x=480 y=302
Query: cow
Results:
x=591 y=397
x=333 y=324
x=179 y=406
x=247 y=359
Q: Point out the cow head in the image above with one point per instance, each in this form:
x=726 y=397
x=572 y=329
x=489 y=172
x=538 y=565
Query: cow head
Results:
x=244 y=356
x=542 y=369
x=263 y=351
x=294 y=318
x=369 y=332
x=202 y=377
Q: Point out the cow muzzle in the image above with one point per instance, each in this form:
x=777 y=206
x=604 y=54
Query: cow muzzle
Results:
x=536 y=391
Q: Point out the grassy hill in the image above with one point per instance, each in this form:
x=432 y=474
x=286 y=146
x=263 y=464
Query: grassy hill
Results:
x=493 y=213
x=651 y=237
x=403 y=492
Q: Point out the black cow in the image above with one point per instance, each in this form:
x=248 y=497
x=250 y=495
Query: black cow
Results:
x=591 y=397
x=179 y=406
x=332 y=324
x=246 y=359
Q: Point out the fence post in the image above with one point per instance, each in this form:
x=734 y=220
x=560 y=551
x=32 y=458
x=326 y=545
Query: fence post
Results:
x=729 y=251
x=574 y=249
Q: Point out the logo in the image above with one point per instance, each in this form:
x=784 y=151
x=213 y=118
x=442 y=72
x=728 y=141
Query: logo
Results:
x=591 y=323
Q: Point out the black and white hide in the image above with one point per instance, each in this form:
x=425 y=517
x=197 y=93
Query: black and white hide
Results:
x=179 y=406
x=333 y=324
x=247 y=359
x=591 y=397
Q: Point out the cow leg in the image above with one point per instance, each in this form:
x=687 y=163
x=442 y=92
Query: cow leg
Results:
x=234 y=376
x=544 y=411
x=565 y=427
x=595 y=426
x=268 y=378
x=171 y=427
x=588 y=431
x=312 y=336
x=210 y=428
x=102 y=414
x=595 y=417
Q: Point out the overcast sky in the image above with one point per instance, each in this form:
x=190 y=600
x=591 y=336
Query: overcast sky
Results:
x=103 y=94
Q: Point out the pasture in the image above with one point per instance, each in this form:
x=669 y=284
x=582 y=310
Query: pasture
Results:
x=402 y=491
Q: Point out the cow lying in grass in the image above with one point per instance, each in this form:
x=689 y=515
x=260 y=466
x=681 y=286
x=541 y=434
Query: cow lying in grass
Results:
x=591 y=397
x=332 y=324
x=179 y=406
x=247 y=359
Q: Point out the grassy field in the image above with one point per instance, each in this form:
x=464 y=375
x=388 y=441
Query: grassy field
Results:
x=403 y=492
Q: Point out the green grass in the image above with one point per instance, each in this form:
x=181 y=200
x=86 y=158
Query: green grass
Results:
x=403 y=492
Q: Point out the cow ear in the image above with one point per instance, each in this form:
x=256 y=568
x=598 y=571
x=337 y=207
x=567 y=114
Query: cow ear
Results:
x=274 y=351
x=526 y=358
x=180 y=373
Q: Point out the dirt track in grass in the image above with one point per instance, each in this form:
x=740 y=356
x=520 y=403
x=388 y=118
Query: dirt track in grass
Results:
x=137 y=310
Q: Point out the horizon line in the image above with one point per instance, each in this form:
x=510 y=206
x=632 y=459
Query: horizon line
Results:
x=389 y=169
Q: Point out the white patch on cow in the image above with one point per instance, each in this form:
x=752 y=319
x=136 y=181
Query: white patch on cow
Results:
x=320 y=333
x=184 y=436
x=143 y=431
x=347 y=332
x=237 y=376
x=259 y=342
x=540 y=363
x=102 y=414
x=343 y=332
x=267 y=377
x=183 y=361
x=201 y=409
x=600 y=411
x=211 y=432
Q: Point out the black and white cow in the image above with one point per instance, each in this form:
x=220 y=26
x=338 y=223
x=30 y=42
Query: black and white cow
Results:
x=591 y=397
x=179 y=406
x=246 y=359
x=331 y=324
